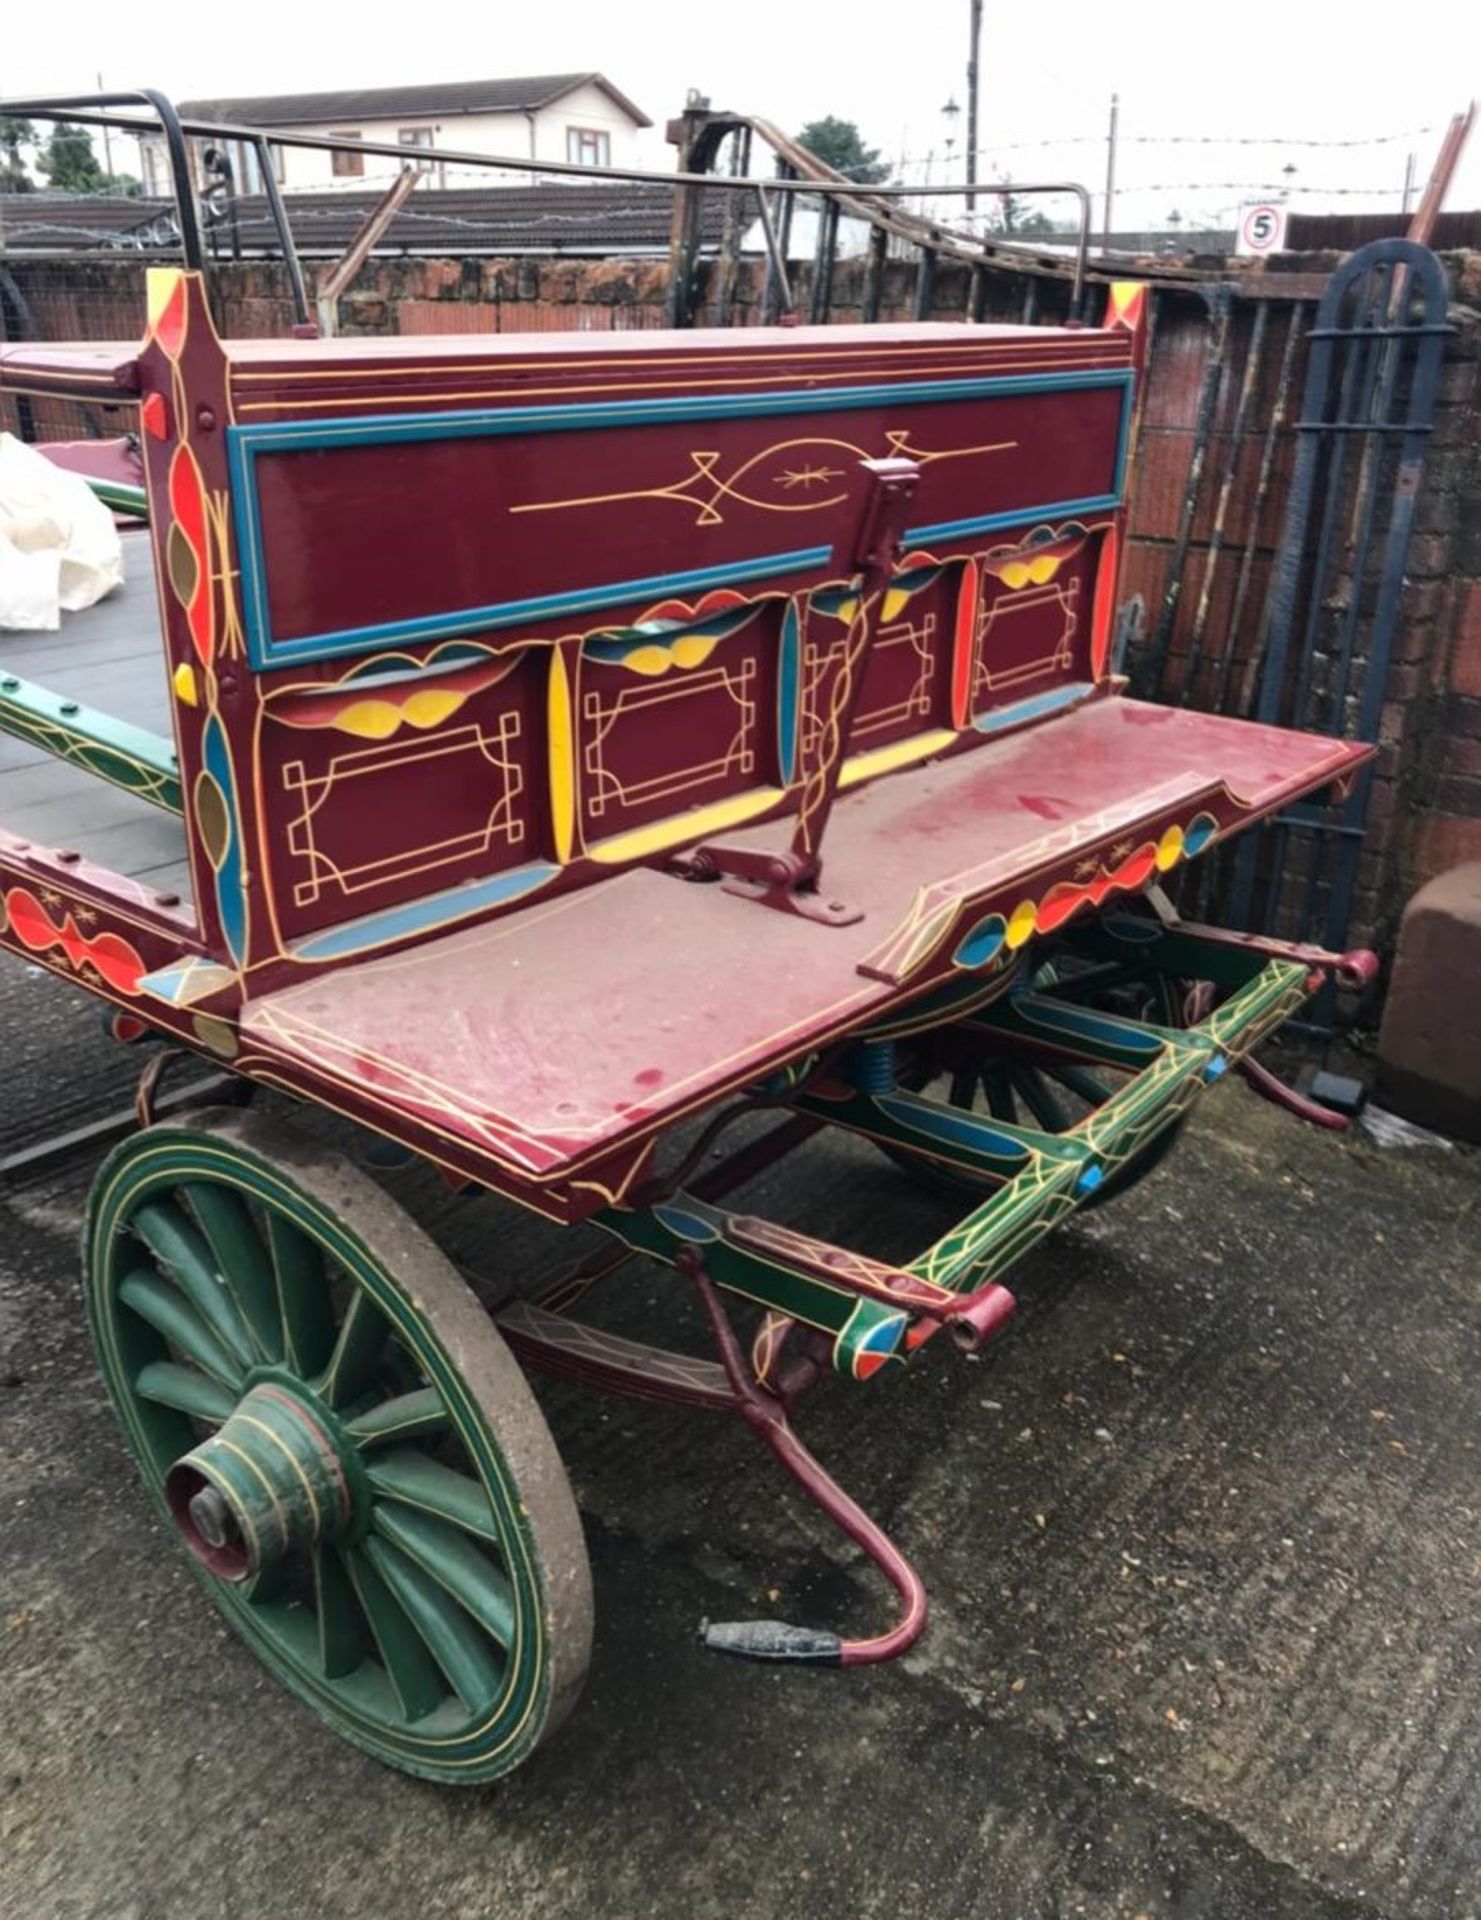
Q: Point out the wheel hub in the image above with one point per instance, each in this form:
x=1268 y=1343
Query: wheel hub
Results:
x=273 y=1480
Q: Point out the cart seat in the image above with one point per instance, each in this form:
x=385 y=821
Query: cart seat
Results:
x=545 y=1037
x=106 y=370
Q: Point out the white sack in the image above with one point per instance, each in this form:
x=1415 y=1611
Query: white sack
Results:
x=59 y=546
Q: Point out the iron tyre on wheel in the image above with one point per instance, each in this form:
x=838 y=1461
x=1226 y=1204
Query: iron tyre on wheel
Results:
x=346 y=1445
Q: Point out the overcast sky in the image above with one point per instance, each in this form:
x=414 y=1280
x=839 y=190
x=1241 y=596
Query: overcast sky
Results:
x=1269 y=72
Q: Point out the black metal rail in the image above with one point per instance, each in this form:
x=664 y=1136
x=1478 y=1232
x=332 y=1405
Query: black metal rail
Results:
x=103 y=110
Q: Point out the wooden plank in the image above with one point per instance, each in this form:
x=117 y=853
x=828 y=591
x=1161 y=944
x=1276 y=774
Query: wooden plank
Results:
x=128 y=690
x=109 y=656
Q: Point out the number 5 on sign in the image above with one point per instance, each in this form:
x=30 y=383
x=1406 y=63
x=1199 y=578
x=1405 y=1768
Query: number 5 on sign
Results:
x=1262 y=228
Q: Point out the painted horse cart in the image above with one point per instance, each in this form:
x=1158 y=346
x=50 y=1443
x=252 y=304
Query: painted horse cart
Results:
x=595 y=764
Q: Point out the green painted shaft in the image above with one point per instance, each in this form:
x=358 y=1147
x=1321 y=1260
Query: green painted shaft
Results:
x=859 y=1326
x=126 y=756
x=1038 y=1177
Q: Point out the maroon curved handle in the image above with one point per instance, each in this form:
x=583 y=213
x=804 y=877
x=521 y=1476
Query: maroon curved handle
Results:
x=1269 y=1087
x=1357 y=969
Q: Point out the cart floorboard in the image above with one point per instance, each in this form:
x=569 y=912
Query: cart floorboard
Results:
x=110 y=656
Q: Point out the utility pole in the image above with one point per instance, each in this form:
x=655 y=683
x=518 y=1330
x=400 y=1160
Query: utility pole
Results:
x=107 y=142
x=1105 y=232
x=1409 y=166
x=973 y=44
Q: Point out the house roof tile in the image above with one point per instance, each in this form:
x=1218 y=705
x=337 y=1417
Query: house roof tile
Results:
x=349 y=105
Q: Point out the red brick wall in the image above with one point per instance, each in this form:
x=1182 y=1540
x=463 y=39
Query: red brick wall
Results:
x=1425 y=806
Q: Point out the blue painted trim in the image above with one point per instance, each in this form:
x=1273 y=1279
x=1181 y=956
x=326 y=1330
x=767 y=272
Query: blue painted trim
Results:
x=982 y=943
x=231 y=899
x=1019 y=516
x=419 y=916
x=245 y=444
x=1123 y=441
x=372 y=428
x=1030 y=709
x=789 y=692
x=686 y=1225
x=957 y=1129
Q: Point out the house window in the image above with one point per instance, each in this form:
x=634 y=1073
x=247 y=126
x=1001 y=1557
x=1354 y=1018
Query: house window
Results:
x=417 y=137
x=588 y=148
x=347 y=166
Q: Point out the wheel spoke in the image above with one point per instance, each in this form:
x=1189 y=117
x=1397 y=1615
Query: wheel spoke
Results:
x=410 y=1477
x=1080 y=1081
x=183 y=1251
x=473 y=1669
x=408 y=1417
x=343 y=1641
x=303 y=1297
x=451 y=1559
x=169 y=1313
x=999 y=1091
x=357 y=1352
x=185 y=1390
x=964 y=1082
x=409 y=1667
x=1039 y=1098
x=241 y=1258
x=1095 y=979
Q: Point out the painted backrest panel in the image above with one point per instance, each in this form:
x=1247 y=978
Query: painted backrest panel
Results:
x=510 y=625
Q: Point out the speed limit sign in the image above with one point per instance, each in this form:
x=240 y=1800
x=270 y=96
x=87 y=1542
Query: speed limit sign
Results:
x=1262 y=227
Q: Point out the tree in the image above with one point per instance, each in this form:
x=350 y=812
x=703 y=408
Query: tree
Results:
x=15 y=134
x=840 y=144
x=69 y=163
x=1015 y=216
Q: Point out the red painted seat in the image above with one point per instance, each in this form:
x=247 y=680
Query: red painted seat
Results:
x=549 y=1037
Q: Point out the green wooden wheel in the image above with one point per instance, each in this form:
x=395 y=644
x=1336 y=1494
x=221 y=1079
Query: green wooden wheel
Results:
x=342 y=1440
x=1006 y=1084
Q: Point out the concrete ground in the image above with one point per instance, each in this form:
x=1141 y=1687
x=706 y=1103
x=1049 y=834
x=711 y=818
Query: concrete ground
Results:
x=1203 y=1536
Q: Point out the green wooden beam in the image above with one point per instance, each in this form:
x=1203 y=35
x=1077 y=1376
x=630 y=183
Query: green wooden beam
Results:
x=120 y=496
x=126 y=756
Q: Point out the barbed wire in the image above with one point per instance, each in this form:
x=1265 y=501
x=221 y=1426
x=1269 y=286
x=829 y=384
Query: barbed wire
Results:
x=1286 y=187
x=1202 y=140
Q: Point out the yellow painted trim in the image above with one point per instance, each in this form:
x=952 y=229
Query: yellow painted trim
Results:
x=562 y=756
x=642 y=842
x=690 y=650
x=1037 y=572
x=1170 y=849
x=899 y=753
x=1021 y=924
x=159 y=284
x=380 y=719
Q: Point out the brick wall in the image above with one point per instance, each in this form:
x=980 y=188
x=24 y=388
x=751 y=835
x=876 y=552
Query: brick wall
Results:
x=1425 y=804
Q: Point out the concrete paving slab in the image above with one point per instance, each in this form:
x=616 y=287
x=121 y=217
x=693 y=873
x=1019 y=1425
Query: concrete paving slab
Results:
x=1203 y=1535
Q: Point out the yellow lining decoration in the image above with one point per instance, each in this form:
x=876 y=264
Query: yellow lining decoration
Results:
x=691 y=650
x=899 y=753
x=641 y=842
x=562 y=759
